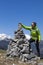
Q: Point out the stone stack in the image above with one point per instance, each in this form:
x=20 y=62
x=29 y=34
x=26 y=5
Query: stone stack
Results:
x=19 y=47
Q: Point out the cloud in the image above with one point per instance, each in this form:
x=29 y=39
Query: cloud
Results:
x=27 y=36
x=3 y=36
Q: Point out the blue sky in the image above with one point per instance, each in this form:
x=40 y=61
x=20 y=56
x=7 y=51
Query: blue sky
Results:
x=25 y=11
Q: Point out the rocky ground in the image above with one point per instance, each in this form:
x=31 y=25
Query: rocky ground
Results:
x=10 y=61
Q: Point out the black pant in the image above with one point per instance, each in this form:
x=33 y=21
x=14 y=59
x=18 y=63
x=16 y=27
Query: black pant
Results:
x=37 y=46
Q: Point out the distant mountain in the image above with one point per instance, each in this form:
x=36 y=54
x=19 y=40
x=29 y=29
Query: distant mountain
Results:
x=4 y=44
x=4 y=41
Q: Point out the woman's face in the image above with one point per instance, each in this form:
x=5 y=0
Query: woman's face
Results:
x=32 y=25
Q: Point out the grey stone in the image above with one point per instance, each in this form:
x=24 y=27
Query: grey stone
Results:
x=40 y=63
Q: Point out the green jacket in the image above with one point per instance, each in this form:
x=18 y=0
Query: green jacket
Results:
x=35 y=33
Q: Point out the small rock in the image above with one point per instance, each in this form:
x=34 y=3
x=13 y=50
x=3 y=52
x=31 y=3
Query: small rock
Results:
x=1 y=57
x=40 y=63
x=14 y=64
x=0 y=54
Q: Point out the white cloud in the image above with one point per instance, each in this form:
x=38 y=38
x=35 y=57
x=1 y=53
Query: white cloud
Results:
x=3 y=36
x=27 y=36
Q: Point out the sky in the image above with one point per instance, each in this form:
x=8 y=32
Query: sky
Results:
x=13 y=12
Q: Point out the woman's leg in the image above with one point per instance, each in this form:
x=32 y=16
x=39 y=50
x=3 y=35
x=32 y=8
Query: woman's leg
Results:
x=30 y=41
x=37 y=48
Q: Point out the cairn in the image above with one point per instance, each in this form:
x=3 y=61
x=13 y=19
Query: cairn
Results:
x=19 y=47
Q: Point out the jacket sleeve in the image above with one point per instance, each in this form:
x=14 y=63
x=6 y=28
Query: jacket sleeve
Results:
x=38 y=33
x=26 y=27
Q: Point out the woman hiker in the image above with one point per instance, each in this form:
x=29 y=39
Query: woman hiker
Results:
x=35 y=35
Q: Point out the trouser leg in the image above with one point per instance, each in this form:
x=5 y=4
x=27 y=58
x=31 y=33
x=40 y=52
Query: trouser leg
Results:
x=30 y=41
x=37 y=48
x=29 y=47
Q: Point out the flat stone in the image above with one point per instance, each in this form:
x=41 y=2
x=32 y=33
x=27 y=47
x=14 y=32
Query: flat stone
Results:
x=40 y=63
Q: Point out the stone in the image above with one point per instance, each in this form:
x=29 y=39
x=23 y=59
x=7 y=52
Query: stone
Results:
x=40 y=63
